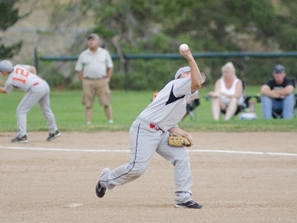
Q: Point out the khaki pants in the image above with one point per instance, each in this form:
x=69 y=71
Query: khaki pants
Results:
x=99 y=87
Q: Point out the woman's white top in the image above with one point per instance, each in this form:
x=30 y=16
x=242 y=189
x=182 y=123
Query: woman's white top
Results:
x=231 y=91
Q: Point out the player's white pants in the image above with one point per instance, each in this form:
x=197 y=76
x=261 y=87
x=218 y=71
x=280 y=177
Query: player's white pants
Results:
x=36 y=94
x=144 y=141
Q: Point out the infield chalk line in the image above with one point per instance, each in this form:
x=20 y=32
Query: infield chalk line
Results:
x=127 y=151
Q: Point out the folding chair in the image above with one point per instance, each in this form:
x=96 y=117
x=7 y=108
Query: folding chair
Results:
x=192 y=107
x=278 y=114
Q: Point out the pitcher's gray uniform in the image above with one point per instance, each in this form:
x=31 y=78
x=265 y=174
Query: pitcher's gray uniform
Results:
x=37 y=91
x=149 y=134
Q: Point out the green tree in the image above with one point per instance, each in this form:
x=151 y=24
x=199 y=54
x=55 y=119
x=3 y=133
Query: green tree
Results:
x=9 y=16
x=160 y=26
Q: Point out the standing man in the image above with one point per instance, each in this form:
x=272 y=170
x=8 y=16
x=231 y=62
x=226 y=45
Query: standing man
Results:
x=149 y=134
x=95 y=68
x=37 y=90
x=278 y=95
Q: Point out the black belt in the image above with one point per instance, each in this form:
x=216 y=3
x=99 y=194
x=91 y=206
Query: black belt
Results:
x=93 y=78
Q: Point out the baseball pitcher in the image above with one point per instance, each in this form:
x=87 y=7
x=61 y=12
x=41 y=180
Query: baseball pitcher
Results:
x=150 y=132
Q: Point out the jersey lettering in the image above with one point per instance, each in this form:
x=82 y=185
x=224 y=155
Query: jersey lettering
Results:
x=172 y=97
x=19 y=79
x=23 y=73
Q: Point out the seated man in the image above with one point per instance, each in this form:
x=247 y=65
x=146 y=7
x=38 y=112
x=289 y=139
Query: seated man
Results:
x=277 y=95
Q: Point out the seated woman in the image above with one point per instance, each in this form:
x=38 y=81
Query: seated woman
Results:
x=227 y=94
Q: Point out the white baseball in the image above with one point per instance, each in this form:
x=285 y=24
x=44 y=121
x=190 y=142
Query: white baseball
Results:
x=184 y=47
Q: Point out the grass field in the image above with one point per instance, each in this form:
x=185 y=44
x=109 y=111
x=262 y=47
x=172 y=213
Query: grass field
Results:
x=69 y=114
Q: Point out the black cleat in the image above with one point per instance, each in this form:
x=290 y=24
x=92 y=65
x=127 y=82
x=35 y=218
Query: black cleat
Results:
x=54 y=135
x=100 y=191
x=190 y=204
x=19 y=139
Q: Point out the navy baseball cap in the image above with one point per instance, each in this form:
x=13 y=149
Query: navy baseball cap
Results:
x=6 y=66
x=279 y=68
x=182 y=70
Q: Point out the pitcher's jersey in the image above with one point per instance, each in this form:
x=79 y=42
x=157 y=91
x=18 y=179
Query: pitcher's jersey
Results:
x=168 y=108
x=21 y=78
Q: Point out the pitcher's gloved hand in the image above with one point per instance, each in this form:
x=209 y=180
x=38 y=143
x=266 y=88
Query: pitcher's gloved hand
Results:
x=179 y=140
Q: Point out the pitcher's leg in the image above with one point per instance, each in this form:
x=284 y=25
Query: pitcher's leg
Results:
x=179 y=157
x=143 y=144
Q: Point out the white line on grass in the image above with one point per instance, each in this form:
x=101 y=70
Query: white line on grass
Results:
x=126 y=151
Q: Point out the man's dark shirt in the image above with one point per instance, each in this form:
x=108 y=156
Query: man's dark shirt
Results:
x=274 y=86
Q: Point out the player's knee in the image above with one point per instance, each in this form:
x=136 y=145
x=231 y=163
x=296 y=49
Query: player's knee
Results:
x=137 y=171
x=21 y=112
x=181 y=161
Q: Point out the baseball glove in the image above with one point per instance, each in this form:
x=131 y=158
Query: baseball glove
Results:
x=179 y=141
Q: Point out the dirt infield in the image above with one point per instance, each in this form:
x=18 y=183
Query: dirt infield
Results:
x=238 y=177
